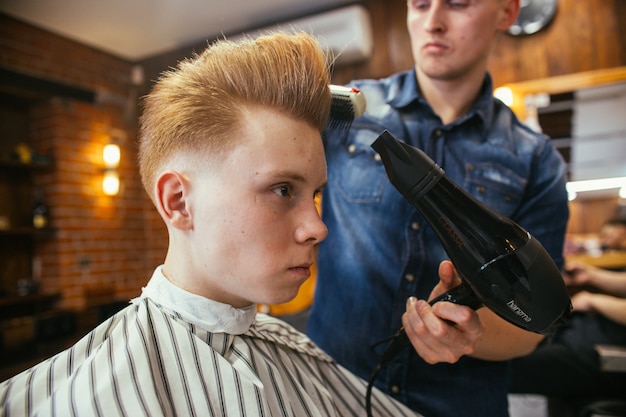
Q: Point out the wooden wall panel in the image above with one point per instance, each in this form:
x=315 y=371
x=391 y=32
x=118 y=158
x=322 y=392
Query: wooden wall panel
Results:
x=385 y=50
x=392 y=49
x=585 y=35
x=588 y=216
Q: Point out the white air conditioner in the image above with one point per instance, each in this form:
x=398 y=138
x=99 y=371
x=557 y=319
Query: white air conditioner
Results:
x=347 y=32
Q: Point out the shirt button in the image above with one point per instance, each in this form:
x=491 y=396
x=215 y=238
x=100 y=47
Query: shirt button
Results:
x=352 y=148
x=377 y=157
x=409 y=277
x=438 y=132
x=395 y=389
x=481 y=189
x=415 y=226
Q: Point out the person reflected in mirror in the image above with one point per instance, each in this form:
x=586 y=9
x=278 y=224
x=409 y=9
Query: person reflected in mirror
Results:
x=566 y=366
x=613 y=235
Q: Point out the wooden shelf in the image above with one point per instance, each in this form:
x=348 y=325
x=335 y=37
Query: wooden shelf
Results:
x=24 y=305
x=563 y=84
x=34 y=165
x=26 y=231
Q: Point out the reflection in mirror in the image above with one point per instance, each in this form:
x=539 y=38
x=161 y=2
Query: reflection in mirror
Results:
x=588 y=126
x=585 y=117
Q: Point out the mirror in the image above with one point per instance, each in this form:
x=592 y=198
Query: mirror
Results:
x=585 y=116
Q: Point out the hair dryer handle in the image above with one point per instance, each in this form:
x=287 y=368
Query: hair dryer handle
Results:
x=461 y=294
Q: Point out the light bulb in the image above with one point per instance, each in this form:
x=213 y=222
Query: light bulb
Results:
x=110 y=183
x=111 y=155
x=505 y=94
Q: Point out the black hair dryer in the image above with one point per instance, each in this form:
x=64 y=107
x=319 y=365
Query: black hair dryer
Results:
x=500 y=264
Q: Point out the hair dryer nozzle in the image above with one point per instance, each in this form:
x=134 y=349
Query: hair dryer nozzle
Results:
x=409 y=169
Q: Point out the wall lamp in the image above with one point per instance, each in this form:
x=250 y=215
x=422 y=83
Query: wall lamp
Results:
x=110 y=179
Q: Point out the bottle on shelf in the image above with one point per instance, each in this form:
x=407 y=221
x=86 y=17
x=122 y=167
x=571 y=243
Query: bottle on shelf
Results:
x=41 y=212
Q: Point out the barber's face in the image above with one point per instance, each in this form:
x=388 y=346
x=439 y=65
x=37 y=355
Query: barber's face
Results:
x=450 y=38
x=255 y=219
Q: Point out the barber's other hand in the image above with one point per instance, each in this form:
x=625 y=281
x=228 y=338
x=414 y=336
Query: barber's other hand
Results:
x=445 y=331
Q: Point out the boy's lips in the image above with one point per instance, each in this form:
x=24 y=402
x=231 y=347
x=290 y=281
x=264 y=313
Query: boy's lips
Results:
x=302 y=269
x=434 y=46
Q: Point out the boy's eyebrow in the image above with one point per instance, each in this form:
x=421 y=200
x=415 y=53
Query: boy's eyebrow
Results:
x=286 y=174
x=295 y=177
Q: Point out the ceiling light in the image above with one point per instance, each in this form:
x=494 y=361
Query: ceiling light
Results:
x=575 y=187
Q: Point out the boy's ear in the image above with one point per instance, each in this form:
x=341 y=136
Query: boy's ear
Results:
x=171 y=199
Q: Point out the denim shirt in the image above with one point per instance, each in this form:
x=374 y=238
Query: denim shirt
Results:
x=380 y=251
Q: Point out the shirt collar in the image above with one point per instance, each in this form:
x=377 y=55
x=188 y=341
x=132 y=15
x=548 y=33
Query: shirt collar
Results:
x=404 y=91
x=208 y=314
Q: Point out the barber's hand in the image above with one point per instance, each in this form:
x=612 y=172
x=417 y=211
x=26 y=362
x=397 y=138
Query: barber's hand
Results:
x=446 y=331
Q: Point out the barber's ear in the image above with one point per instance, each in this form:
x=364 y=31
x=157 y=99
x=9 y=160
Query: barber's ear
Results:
x=509 y=12
x=171 y=199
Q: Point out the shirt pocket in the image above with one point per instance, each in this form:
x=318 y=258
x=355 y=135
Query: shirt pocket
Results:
x=495 y=185
x=359 y=174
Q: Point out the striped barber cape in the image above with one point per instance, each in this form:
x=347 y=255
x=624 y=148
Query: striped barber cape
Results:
x=148 y=360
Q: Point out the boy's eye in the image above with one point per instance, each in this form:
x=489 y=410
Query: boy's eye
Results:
x=283 y=191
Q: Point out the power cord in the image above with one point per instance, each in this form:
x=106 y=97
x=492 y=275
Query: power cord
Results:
x=461 y=294
x=397 y=343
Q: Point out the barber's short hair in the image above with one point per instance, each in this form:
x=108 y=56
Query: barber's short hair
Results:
x=197 y=109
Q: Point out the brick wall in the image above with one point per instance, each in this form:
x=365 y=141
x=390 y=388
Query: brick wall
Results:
x=102 y=246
